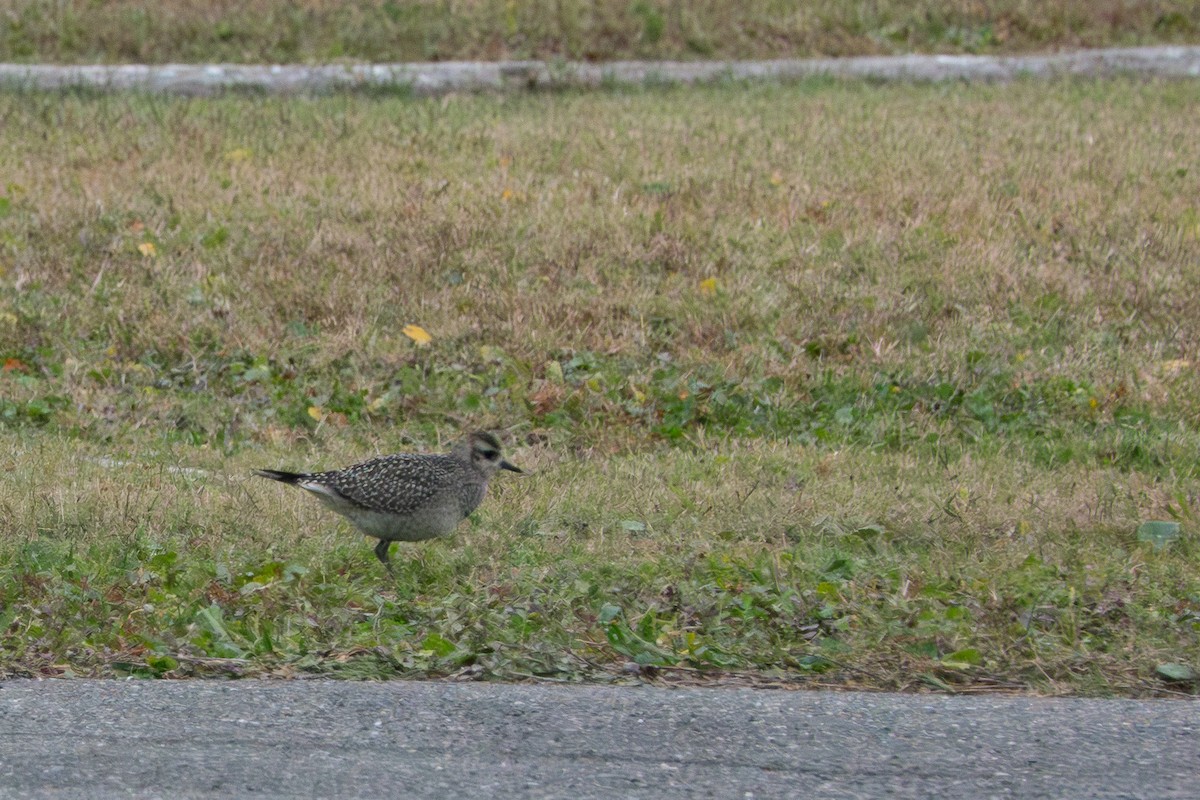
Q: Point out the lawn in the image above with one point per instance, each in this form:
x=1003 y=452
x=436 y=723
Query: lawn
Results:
x=828 y=383
x=273 y=31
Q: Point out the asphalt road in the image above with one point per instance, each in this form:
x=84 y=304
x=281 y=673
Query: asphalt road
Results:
x=61 y=739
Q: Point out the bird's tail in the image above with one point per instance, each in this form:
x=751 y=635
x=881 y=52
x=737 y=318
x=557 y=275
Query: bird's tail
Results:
x=281 y=476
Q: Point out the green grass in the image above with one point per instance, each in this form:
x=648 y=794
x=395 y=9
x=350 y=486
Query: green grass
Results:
x=826 y=383
x=271 y=31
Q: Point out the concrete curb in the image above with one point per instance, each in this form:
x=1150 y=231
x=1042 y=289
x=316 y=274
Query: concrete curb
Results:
x=442 y=78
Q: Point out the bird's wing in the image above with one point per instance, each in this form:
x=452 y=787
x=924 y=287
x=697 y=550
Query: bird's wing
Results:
x=397 y=484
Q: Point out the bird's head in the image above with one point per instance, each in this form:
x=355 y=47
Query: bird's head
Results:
x=482 y=449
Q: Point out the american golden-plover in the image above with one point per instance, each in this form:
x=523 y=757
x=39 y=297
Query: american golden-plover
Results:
x=407 y=497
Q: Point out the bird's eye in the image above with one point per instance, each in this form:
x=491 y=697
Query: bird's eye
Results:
x=490 y=455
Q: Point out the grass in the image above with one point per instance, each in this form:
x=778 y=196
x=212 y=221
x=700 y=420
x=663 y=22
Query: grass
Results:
x=79 y=31
x=827 y=383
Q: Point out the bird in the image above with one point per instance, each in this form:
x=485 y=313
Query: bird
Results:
x=407 y=497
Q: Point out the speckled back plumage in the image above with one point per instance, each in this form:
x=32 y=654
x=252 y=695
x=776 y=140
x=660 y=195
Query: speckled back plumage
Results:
x=403 y=483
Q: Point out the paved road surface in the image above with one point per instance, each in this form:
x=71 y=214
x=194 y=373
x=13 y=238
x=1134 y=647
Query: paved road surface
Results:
x=61 y=739
x=442 y=77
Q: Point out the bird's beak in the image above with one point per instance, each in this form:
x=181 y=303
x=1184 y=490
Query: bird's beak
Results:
x=510 y=467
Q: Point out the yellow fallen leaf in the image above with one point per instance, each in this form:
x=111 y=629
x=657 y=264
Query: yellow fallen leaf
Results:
x=417 y=334
x=148 y=249
x=316 y=412
x=239 y=154
x=776 y=179
x=708 y=287
x=507 y=194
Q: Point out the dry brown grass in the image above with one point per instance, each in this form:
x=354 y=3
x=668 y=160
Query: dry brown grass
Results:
x=897 y=229
x=275 y=31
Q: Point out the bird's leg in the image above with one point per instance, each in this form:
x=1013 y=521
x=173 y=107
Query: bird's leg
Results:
x=381 y=552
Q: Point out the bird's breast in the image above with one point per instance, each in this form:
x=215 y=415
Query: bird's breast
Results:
x=470 y=495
